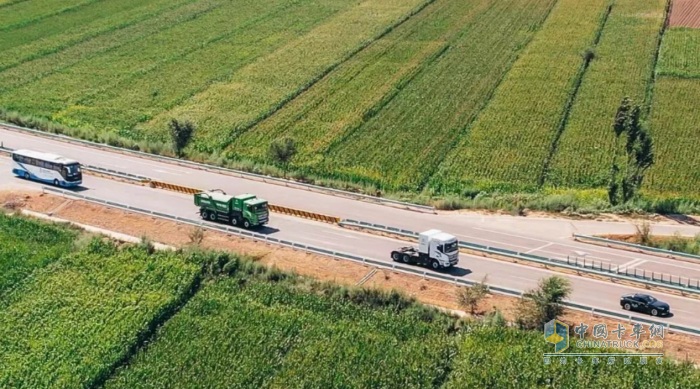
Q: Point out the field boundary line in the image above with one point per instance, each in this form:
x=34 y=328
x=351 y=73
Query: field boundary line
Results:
x=235 y=133
x=566 y=114
x=227 y=171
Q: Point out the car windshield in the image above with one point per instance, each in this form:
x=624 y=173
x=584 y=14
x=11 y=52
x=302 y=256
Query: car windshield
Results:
x=651 y=299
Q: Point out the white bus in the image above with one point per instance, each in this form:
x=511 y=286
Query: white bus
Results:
x=49 y=168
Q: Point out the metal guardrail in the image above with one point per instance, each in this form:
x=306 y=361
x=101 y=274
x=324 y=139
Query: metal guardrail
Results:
x=636 y=246
x=367 y=261
x=575 y=265
x=276 y=180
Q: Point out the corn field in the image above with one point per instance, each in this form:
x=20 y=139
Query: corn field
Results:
x=66 y=325
x=431 y=96
x=255 y=331
x=508 y=144
x=26 y=246
x=510 y=359
x=126 y=317
x=621 y=67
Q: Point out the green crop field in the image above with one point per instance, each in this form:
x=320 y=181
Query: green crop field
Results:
x=26 y=246
x=510 y=141
x=255 y=332
x=674 y=115
x=622 y=66
x=108 y=316
x=509 y=353
x=422 y=96
x=70 y=322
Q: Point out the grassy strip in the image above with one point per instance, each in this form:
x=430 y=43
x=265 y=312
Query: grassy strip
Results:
x=511 y=359
x=263 y=329
x=26 y=245
x=77 y=83
x=23 y=13
x=507 y=145
x=403 y=144
x=68 y=324
x=674 y=126
x=55 y=34
x=40 y=64
x=680 y=53
x=356 y=90
x=261 y=88
x=147 y=94
x=622 y=67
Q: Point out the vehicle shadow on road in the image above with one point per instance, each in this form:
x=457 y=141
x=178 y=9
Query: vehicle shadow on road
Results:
x=458 y=272
x=265 y=230
x=77 y=189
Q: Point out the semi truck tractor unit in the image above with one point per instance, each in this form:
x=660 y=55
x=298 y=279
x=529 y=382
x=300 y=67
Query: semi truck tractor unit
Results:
x=243 y=210
x=436 y=249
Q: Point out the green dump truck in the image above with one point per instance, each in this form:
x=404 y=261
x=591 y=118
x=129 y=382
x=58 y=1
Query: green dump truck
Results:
x=243 y=210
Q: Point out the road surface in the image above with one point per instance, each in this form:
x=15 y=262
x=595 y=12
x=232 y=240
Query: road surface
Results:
x=543 y=236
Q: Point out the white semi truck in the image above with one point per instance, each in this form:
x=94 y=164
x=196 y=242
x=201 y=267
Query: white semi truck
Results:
x=436 y=249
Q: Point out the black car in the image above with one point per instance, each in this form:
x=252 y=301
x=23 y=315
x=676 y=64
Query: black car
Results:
x=644 y=303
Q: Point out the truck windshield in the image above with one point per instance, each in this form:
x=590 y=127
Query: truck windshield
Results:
x=450 y=247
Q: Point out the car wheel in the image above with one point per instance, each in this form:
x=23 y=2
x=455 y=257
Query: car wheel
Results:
x=627 y=306
x=246 y=223
x=212 y=216
x=405 y=258
x=434 y=264
x=654 y=312
x=395 y=256
x=234 y=221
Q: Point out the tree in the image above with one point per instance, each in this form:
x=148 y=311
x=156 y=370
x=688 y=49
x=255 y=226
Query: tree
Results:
x=282 y=150
x=181 y=133
x=470 y=296
x=542 y=304
x=638 y=150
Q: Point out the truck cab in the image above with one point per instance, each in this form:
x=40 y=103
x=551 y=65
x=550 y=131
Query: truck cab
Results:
x=439 y=246
x=436 y=249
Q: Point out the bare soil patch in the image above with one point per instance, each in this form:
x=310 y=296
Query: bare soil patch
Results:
x=437 y=293
x=685 y=13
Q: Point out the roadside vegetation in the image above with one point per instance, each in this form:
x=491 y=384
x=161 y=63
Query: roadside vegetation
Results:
x=126 y=316
x=676 y=242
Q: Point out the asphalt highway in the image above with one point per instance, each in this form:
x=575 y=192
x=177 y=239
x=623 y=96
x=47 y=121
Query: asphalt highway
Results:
x=586 y=291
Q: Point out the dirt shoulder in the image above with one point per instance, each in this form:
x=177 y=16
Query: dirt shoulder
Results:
x=438 y=293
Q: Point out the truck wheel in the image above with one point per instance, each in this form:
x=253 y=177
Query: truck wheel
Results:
x=212 y=216
x=204 y=214
x=405 y=258
x=395 y=256
x=246 y=223
x=234 y=221
x=434 y=264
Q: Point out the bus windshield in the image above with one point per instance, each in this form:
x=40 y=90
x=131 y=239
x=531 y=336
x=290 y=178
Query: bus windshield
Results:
x=72 y=169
